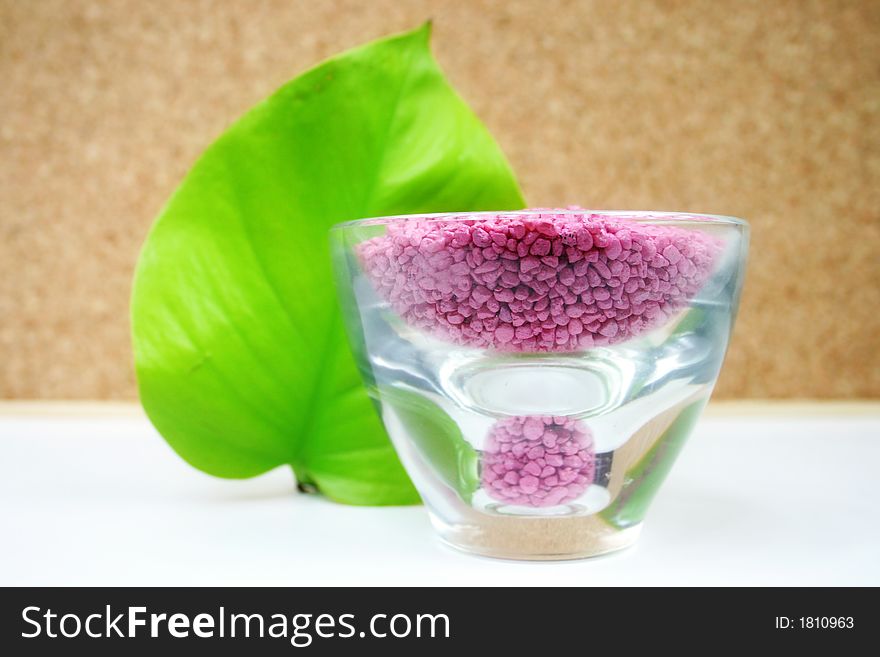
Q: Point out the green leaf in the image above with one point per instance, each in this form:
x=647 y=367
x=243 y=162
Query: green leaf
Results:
x=644 y=479
x=241 y=359
x=438 y=439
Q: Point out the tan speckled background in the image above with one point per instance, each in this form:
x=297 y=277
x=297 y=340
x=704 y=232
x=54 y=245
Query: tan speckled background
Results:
x=768 y=110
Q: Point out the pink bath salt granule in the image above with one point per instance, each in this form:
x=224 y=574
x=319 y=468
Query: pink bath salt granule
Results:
x=554 y=281
x=538 y=461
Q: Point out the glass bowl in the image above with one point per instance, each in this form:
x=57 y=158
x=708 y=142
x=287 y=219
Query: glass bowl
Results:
x=539 y=371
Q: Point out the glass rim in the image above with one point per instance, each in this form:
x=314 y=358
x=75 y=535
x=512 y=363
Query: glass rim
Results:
x=658 y=217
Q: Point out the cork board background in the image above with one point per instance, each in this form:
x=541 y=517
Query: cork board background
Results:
x=769 y=110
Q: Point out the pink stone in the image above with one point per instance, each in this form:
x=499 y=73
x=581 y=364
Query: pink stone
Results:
x=613 y=250
x=533 y=429
x=529 y=484
x=541 y=247
x=480 y=237
x=672 y=254
x=529 y=263
x=504 y=333
x=525 y=473
x=536 y=452
x=504 y=267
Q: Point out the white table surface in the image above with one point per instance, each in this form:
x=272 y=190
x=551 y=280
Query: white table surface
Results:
x=760 y=499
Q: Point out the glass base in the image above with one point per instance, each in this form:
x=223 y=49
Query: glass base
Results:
x=536 y=538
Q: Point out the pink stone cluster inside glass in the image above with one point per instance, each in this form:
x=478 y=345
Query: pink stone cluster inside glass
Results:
x=538 y=461
x=537 y=282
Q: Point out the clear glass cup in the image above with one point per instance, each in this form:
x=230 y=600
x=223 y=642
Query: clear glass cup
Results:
x=539 y=371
